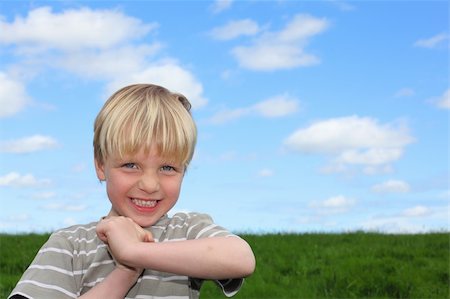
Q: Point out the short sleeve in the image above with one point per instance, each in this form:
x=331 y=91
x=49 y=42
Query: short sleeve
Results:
x=202 y=226
x=230 y=287
x=50 y=275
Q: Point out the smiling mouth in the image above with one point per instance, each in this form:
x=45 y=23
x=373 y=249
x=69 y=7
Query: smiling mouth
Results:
x=144 y=203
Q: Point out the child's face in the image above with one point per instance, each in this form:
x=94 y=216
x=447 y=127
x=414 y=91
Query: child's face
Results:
x=143 y=187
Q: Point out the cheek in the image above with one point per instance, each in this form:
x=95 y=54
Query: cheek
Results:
x=117 y=184
x=112 y=189
x=173 y=187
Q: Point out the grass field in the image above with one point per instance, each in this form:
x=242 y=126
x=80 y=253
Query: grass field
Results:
x=353 y=265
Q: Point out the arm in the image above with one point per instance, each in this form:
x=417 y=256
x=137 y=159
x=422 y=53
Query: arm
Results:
x=123 y=277
x=115 y=285
x=52 y=272
x=208 y=258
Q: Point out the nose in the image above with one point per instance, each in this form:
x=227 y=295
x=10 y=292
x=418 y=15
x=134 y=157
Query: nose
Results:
x=149 y=182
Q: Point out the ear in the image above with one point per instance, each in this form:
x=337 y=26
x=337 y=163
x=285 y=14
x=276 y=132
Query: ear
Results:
x=99 y=169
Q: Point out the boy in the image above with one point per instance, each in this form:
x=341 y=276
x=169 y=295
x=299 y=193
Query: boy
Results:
x=144 y=138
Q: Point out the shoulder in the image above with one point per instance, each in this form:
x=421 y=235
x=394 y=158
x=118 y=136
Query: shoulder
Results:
x=77 y=229
x=61 y=266
x=75 y=234
x=190 y=217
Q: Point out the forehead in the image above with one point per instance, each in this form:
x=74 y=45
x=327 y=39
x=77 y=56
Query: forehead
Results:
x=144 y=154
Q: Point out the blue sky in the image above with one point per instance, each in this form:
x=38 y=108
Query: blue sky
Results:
x=313 y=116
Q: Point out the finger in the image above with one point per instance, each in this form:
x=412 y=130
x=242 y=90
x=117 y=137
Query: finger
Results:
x=101 y=232
x=102 y=236
x=148 y=237
x=143 y=234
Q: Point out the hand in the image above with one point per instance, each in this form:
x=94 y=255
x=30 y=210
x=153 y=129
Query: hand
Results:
x=122 y=234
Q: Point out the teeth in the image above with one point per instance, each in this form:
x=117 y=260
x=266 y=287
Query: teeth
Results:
x=144 y=203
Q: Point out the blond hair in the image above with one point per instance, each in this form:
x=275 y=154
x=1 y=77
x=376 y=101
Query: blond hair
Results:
x=141 y=115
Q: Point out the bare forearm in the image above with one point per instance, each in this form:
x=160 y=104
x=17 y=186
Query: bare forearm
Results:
x=115 y=285
x=209 y=258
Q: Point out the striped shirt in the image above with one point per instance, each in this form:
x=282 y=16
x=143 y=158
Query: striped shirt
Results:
x=74 y=260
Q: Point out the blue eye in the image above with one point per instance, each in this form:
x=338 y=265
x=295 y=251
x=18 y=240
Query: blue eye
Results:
x=129 y=165
x=167 y=168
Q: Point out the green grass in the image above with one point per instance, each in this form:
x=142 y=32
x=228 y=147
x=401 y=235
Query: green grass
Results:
x=16 y=253
x=353 y=265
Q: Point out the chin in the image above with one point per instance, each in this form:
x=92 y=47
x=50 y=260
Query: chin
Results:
x=145 y=222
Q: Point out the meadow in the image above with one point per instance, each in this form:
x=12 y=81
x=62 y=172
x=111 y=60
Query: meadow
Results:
x=347 y=265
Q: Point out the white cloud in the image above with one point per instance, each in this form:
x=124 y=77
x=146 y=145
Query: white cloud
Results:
x=352 y=141
x=129 y=65
x=417 y=211
x=69 y=221
x=444 y=194
x=14 y=179
x=221 y=5
x=370 y=156
x=109 y=63
x=277 y=106
x=228 y=156
x=392 y=186
x=392 y=225
x=65 y=207
x=112 y=43
x=417 y=219
x=443 y=102
x=282 y=49
x=17 y=223
x=72 y=29
x=344 y=6
x=227 y=115
x=13 y=97
x=432 y=42
x=265 y=172
x=337 y=135
x=235 y=29
x=266 y=57
x=19 y=217
x=373 y=169
x=301 y=27
x=44 y=195
x=169 y=75
x=80 y=167
x=28 y=144
x=333 y=205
